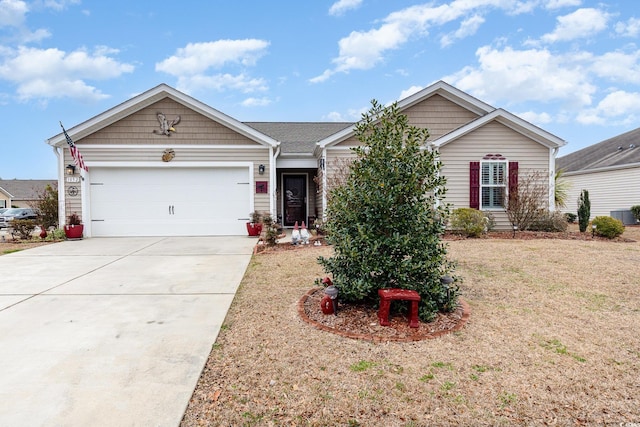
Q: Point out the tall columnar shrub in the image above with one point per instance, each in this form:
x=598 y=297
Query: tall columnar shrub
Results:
x=383 y=221
x=584 y=210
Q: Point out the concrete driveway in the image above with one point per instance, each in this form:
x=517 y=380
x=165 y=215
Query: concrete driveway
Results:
x=112 y=331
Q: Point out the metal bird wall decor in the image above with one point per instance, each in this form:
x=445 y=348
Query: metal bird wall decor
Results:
x=166 y=126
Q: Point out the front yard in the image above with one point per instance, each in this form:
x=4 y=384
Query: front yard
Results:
x=553 y=339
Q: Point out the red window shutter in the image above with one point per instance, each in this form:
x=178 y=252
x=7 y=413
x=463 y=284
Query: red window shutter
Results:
x=513 y=179
x=474 y=185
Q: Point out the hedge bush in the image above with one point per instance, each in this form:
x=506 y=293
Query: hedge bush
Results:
x=550 y=221
x=608 y=227
x=468 y=221
x=635 y=210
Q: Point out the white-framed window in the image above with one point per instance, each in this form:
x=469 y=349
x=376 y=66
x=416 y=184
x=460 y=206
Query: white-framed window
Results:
x=493 y=184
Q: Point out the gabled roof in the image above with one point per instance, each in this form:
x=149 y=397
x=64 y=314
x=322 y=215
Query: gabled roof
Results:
x=298 y=137
x=617 y=152
x=150 y=97
x=441 y=88
x=509 y=120
x=6 y=193
x=25 y=189
x=449 y=92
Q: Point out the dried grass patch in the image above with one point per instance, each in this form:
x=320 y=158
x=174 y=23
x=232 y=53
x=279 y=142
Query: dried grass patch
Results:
x=553 y=340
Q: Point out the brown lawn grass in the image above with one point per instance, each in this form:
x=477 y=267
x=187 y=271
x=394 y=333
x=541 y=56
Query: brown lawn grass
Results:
x=553 y=339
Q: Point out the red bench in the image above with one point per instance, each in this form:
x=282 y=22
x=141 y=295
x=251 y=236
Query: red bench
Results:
x=388 y=295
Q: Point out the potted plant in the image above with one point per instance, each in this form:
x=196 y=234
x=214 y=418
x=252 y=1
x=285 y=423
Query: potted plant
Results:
x=74 y=227
x=254 y=226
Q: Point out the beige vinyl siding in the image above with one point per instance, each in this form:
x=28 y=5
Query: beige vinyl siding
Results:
x=611 y=190
x=5 y=201
x=194 y=128
x=436 y=113
x=439 y=115
x=492 y=138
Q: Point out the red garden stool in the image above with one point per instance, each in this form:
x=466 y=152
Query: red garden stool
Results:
x=388 y=295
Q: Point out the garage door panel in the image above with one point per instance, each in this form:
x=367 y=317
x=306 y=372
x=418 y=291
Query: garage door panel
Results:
x=169 y=201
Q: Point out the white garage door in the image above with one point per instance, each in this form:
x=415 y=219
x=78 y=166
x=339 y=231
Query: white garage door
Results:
x=169 y=201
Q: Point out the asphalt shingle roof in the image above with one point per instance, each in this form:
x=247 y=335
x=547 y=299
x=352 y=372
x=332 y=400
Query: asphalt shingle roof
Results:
x=617 y=151
x=298 y=137
x=25 y=189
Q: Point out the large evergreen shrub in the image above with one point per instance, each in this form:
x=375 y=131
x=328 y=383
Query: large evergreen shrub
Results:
x=584 y=210
x=384 y=222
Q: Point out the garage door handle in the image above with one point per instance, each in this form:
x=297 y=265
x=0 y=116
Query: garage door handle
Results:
x=171 y=210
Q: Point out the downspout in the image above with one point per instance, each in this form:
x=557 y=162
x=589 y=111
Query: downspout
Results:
x=61 y=192
x=552 y=178
x=323 y=165
x=273 y=180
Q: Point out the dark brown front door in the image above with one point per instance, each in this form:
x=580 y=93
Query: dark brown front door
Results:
x=295 y=199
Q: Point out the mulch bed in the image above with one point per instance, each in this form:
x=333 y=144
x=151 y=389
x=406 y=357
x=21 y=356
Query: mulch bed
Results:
x=361 y=322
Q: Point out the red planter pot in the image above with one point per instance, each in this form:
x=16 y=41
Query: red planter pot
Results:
x=254 y=229
x=73 y=231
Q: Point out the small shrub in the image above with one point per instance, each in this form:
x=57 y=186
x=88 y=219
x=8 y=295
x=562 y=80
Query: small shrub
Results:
x=23 y=228
x=270 y=230
x=608 y=227
x=468 y=221
x=550 y=221
x=571 y=217
x=635 y=210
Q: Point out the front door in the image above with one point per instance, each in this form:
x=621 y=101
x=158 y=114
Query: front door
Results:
x=295 y=199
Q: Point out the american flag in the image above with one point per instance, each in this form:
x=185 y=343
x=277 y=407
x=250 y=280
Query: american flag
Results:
x=75 y=153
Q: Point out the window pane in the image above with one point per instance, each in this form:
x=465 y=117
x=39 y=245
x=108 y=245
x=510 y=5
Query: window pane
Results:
x=492 y=197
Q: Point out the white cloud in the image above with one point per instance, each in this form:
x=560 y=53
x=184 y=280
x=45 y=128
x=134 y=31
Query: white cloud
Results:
x=515 y=76
x=618 y=66
x=196 y=58
x=617 y=108
x=256 y=102
x=362 y=50
x=408 y=92
x=557 y=4
x=341 y=6
x=538 y=119
x=220 y=83
x=12 y=13
x=580 y=24
x=631 y=28
x=193 y=65
x=59 y=4
x=468 y=27
x=352 y=115
x=52 y=73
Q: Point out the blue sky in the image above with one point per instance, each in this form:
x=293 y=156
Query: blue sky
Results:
x=569 y=66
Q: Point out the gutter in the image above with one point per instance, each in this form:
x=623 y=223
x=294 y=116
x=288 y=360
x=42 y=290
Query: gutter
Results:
x=61 y=193
x=274 y=179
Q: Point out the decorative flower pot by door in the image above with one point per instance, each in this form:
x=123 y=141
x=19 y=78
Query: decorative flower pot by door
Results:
x=254 y=228
x=73 y=231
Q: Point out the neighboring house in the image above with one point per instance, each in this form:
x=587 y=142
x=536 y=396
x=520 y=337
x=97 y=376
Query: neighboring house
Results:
x=164 y=163
x=21 y=193
x=609 y=171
